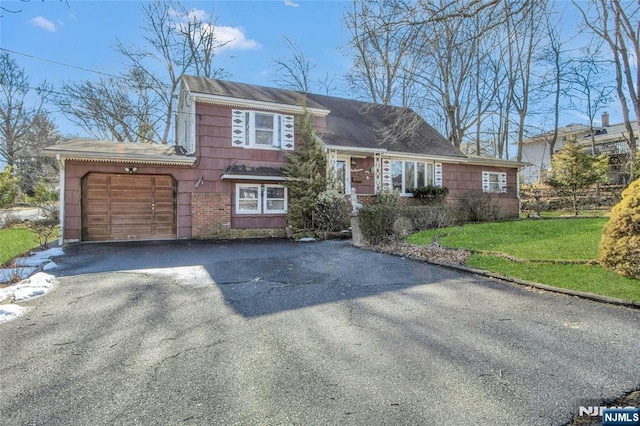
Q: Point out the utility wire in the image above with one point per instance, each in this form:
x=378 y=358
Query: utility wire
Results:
x=60 y=63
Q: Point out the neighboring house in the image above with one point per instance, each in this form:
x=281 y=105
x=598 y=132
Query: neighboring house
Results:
x=223 y=178
x=609 y=139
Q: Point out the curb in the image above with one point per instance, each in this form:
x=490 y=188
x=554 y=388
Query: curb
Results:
x=546 y=287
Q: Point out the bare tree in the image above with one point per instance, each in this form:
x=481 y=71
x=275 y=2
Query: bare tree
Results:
x=20 y=107
x=294 y=73
x=618 y=24
x=525 y=32
x=113 y=108
x=31 y=164
x=138 y=106
x=588 y=87
x=381 y=40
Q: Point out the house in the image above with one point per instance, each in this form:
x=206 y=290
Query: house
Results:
x=223 y=177
x=609 y=139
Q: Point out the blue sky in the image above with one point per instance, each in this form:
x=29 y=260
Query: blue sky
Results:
x=83 y=33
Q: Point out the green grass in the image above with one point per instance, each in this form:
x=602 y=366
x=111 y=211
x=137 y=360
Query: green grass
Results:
x=15 y=241
x=566 y=213
x=588 y=278
x=539 y=240
x=559 y=239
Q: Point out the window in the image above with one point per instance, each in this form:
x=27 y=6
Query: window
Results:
x=494 y=182
x=263 y=130
x=275 y=200
x=248 y=199
x=342 y=175
x=259 y=199
x=407 y=175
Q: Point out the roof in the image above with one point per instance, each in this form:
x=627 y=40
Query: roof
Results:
x=579 y=129
x=350 y=123
x=118 y=152
x=360 y=124
x=252 y=171
x=248 y=92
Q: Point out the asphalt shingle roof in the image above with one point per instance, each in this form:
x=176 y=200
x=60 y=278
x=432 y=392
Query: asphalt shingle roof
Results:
x=350 y=123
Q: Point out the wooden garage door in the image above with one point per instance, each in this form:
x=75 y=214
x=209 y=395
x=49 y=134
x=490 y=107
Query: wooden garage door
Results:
x=128 y=207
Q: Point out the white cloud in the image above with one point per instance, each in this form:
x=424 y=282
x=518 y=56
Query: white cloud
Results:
x=234 y=38
x=197 y=15
x=290 y=3
x=43 y=23
x=227 y=37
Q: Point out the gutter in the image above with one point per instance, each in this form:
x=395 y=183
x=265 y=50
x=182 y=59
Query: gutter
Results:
x=253 y=177
x=141 y=159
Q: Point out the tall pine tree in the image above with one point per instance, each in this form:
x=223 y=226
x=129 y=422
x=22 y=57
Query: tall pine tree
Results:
x=306 y=173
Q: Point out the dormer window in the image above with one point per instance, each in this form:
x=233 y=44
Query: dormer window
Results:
x=261 y=130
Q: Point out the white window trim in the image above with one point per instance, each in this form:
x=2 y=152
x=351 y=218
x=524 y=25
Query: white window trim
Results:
x=404 y=192
x=262 y=199
x=265 y=199
x=248 y=212
x=244 y=130
x=347 y=172
x=486 y=182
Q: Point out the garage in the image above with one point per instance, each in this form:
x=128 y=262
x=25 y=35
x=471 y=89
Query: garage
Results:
x=119 y=207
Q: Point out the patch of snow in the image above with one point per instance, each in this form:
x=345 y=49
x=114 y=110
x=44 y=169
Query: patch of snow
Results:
x=10 y=312
x=7 y=274
x=30 y=261
x=306 y=240
x=35 y=286
x=49 y=253
x=25 y=266
x=49 y=266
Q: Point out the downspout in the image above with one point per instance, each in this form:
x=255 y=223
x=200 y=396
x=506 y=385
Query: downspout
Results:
x=61 y=165
x=518 y=193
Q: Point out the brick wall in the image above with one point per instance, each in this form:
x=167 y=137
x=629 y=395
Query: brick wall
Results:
x=210 y=214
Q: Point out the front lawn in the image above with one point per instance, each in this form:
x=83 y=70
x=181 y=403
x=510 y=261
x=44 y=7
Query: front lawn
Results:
x=552 y=239
x=15 y=241
x=539 y=243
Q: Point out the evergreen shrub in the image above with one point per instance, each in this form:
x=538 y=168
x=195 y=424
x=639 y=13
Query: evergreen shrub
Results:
x=620 y=245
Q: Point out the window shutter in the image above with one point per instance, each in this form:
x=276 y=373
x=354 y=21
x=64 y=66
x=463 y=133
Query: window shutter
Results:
x=287 y=133
x=238 y=132
x=277 y=125
x=386 y=174
x=486 y=185
x=437 y=181
x=503 y=182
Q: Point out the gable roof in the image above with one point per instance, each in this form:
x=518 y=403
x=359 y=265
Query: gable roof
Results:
x=349 y=123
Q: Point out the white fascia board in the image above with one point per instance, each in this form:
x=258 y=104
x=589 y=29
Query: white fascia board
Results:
x=439 y=158
x=356 y=149
x=496 y=162
x=263 y=105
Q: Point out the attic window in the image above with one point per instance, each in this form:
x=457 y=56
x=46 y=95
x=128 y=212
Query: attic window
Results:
x=261 y=130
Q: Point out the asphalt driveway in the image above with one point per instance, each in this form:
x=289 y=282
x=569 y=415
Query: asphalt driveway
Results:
x=276 y=332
